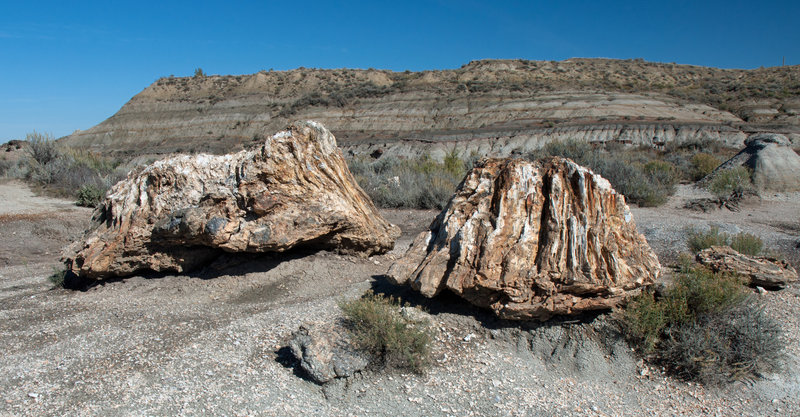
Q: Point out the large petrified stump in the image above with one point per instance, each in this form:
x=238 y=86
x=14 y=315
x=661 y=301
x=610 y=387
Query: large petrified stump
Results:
x=294 y=191
x=531 y=240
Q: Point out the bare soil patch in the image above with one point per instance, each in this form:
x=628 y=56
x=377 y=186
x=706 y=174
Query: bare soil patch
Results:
x=209 y=342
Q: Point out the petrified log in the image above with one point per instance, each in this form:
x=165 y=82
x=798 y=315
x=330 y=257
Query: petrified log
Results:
x=295 y=190
x=758 y=270
x=530 y=240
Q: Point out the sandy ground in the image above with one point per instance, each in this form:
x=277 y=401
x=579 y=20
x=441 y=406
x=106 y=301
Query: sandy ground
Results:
x=211 y=343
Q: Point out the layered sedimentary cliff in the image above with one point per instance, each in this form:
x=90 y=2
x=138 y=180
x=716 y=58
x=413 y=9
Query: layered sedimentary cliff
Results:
x=489 y=107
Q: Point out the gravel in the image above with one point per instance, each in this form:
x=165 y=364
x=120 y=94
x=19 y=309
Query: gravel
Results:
x=211 y=342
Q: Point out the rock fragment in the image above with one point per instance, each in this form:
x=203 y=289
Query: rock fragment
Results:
x=325 y=353
x=761 y=271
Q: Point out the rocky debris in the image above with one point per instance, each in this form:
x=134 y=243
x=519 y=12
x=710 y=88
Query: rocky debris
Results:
x=325 y=353
x=294 y=191
x=773 y=164
x=530 y=240
x=759 y=270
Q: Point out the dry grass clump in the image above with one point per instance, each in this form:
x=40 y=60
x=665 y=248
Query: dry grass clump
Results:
x=742 y=242
x=705 y=327
x=377 y=326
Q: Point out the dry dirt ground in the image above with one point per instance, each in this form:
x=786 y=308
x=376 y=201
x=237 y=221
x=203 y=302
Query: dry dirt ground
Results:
x=212 y=343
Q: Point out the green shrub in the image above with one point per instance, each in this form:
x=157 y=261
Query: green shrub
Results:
x=738 y=344
x=57 y=278
x=741 y=242
x=703 y=164
x=730 y=181
x=747 y=244
x=698 y=240
x=90 y=195
x=376 y=325
x=705 y=327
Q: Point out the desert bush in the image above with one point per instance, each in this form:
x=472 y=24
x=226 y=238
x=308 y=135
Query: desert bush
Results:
x=702 y=164
x=738 y=344
x=409 y=183
x=90 y=195
x=42 y=147
x=69 y=172
x=741 y=242
x=705 y=327
x=730 y=181
x=377 y=325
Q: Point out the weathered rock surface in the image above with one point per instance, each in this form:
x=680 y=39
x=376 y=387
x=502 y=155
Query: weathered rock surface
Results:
x=295 y=190
x=325 y=353
x=531 y=240
x=774 y=166
x=759 y=270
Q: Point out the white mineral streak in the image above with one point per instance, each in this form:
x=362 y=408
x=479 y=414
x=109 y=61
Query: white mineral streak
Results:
x=295 y=190
x=530 y=240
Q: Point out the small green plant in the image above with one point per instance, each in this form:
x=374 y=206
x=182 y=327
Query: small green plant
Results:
x=90 y=195
x=747 y=244
x=741 y=242
x=198 y=73
x=376 y=325
x=705 y=327
x=730 y=181
x=57 y=277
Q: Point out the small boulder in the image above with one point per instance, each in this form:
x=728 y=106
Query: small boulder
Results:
x=530 y=240
x=773 y=164
x=759 y=270
x=294 y=191
x=325 y=353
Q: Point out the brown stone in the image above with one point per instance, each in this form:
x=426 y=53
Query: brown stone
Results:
x=293 y=191
x=759 y=270
x=530 y=240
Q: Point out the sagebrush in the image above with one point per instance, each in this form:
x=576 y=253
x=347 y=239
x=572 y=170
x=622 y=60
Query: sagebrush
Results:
x=705 y=327
x=66 y=172
x=422 y=182
x=377 y=325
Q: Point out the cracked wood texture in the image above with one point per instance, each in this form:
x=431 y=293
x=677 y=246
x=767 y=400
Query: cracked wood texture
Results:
x=178 y=213
x=530 y=240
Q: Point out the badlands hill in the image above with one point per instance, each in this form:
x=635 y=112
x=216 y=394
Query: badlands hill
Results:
x=490 y=107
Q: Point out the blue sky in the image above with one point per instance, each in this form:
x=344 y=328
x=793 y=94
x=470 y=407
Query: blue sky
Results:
x=70 y=65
